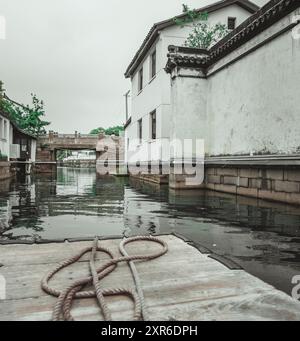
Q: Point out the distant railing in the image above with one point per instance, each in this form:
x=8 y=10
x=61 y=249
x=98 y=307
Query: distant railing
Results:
x=68 y=136
x=53 y=135
x=78 y=136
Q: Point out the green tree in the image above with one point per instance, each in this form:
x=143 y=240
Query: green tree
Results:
x=109 y=131
x=203 y=35
x=97 y=131
x=27 y=118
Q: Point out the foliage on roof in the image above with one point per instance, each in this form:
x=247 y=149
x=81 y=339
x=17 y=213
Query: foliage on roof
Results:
x=269 y=14
x=109 y=131
x=156 y=28
x=203 y=34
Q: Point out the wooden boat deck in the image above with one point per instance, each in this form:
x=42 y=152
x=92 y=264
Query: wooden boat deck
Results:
x=184 y=285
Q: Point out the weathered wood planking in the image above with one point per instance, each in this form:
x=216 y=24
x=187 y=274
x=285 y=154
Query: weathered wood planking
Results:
x=182 y=285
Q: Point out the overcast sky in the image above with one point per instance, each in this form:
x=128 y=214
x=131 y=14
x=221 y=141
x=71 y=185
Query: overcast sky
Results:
x=73 y=54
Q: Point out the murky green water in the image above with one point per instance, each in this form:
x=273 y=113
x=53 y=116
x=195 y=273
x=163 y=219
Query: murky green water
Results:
x=262 y=237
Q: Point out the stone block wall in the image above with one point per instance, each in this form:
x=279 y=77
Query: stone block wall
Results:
x=278 y=184
x=275 y=183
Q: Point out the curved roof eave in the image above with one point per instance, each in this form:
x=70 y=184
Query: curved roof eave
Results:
x=156 y=28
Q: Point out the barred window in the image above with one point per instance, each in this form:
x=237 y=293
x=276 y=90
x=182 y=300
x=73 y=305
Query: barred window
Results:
x=231 y=23
x=153 y=125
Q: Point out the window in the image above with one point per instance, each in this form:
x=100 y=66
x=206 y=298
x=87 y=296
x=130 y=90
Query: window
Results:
x=140 y=130
x=153 y=64
x=231 y=23
x=153 y=125
x=140 y=85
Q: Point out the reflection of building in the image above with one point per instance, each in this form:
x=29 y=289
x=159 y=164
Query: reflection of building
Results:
x=5 y=216
x=142 y=214
x=75 y=181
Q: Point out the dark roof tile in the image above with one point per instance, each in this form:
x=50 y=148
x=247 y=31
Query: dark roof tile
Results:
x=262 y=19
x=154 y=32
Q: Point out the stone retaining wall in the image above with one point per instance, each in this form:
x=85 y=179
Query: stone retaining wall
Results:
x=5 y=172
x=279 y=184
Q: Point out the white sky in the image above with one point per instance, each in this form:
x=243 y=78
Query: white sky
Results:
x=73 y=54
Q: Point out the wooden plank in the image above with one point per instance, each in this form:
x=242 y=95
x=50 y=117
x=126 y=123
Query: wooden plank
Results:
x=182 y=285
x=55 y=253
x=27 y=282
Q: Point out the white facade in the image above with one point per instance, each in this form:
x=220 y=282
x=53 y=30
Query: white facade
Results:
x=5 y=136
x=7 y=148
x=156 y=91
x=33 y=150
x=249 y=102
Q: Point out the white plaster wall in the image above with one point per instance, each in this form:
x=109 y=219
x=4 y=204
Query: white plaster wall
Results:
x=11 y=134
x=4 y=141
x=254 y=104
x=177 y=35
x=189 y=115
x=33 y=150
x=151 y=98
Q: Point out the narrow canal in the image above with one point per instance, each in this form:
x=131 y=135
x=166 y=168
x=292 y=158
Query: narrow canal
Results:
x=263 y=237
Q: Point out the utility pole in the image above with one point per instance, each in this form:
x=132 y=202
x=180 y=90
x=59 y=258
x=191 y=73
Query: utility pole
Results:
x=126 y=104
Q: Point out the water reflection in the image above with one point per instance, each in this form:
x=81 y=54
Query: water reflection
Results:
x=263 y=237
x=70 y=205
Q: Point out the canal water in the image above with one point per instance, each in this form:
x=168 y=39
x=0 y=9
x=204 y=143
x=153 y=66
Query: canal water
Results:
x=263 y=237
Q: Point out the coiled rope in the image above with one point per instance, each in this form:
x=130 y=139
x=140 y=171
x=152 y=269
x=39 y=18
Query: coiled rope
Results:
x=63 y=306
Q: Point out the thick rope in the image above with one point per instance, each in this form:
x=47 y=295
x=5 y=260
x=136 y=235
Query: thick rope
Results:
x=96 y=283
x=63 y=307
x=136 y=278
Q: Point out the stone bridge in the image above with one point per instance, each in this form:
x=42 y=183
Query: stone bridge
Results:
x=109 y=148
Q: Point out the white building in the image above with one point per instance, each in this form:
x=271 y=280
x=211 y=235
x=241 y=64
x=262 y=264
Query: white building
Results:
x=151 y=91
x=6 y=135
x=15 y=144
